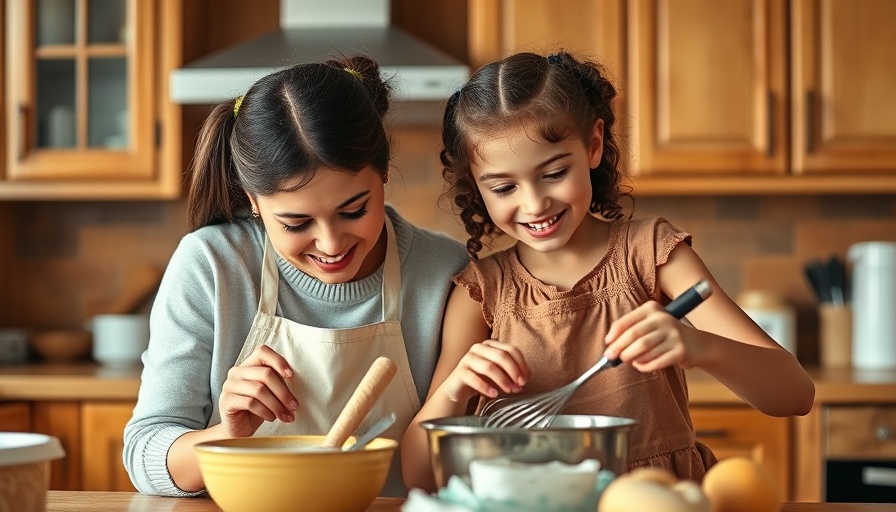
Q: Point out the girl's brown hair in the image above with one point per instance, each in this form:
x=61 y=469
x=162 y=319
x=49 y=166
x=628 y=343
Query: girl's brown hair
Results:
x=553 y=98
x=289 y=123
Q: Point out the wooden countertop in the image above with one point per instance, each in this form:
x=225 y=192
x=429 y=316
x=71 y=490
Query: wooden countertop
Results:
x=70 y=381
x=88 y=501
x=90 y=381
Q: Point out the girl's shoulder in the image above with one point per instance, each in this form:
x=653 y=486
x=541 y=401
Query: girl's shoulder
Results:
x=648 y=232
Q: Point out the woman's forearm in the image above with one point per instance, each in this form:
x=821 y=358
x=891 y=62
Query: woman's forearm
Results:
x=183 y=464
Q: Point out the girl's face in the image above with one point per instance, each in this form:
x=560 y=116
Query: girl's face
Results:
x=535 y=191
x=332 y=228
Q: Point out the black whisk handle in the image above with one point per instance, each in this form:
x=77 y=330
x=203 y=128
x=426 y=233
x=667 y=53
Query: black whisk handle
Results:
x=691 y=298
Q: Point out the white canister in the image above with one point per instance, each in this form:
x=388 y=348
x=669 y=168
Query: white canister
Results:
x=772 y=314
x=119 y=340
x=873 y=305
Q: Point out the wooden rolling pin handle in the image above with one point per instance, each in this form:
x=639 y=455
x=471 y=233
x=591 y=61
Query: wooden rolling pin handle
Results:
x=359 y=404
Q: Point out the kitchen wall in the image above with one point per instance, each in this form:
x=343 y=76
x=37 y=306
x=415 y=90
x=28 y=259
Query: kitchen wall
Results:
x=63 y=258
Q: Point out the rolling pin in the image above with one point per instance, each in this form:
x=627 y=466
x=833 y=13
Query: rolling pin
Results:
x=361 y=402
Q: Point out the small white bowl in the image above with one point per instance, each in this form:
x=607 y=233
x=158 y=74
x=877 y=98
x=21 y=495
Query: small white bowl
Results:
x=25 y=470
x=535 y=486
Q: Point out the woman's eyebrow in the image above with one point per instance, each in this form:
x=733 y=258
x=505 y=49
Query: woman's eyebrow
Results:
x=292 y=215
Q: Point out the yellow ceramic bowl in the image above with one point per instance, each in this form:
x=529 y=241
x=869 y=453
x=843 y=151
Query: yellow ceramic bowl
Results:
x=286 y=473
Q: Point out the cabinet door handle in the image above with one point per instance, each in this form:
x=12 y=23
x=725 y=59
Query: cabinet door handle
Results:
x=713 y=433
x=883 y=433
x=810 y=121
x=879 y=476
x=20 y=150
x=770 y=129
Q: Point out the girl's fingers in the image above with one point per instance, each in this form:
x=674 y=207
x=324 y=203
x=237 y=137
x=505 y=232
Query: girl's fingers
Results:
x=498 y=365
x=515 y=366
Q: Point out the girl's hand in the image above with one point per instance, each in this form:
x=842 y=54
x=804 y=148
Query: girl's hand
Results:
x=651 y=339
x=486 y=369
x=256 y=391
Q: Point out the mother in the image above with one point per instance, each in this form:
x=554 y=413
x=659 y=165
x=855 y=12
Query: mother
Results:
x=265 y=322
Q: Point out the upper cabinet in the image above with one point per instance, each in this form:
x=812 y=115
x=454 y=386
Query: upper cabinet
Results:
x=844 y=76
x=707 y=87
x=712 y=110
x=732 y=97
x=86 y=108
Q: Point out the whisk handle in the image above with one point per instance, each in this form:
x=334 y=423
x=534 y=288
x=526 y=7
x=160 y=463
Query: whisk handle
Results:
x=691 y=298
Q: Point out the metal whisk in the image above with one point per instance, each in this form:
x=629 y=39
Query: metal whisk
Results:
x=538 y=411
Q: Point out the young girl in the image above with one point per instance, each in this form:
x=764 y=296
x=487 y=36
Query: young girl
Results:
x=529 y=151
x=295 y=278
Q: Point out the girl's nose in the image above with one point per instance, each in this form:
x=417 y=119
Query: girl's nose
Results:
x=534 y=202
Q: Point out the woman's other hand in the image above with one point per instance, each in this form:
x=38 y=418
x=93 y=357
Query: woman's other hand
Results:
x=256 y=391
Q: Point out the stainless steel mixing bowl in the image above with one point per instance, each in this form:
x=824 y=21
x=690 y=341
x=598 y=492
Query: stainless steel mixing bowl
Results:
x=455 y=442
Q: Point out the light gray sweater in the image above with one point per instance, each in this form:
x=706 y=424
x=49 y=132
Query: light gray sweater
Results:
x=205 y=306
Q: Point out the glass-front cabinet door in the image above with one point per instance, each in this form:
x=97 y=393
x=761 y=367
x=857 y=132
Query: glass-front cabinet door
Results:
x=80 y=95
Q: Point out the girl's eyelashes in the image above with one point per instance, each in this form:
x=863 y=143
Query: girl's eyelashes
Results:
x=556 y=175
x=353 y=215
x=503 y=190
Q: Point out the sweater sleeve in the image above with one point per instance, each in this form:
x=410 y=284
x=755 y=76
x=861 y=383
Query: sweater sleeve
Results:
x=174 y=395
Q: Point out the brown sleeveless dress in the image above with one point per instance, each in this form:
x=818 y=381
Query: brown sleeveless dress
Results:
x=561 y=335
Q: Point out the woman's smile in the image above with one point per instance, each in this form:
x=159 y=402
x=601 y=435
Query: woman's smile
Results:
x=333 y=263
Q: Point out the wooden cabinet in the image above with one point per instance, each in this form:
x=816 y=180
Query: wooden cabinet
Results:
x=708 y=96
x=15 y=417
x=714 y=112
x=86 y=110
x=91 y=433
x=733 y=431
x=734 y=97
x=843 y=76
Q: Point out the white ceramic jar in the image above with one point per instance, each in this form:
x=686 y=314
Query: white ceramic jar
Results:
x=772 y=313
x=119 y=340
x=873 y=305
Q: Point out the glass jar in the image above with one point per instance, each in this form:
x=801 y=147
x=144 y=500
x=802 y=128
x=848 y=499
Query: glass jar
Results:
x=772 y=313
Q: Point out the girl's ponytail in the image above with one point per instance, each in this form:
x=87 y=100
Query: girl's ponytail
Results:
x=215 y=190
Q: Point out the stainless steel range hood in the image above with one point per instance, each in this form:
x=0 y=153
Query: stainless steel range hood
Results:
x=315 y=29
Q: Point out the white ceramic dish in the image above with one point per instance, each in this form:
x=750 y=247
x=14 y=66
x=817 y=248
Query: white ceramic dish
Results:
x=25 y=470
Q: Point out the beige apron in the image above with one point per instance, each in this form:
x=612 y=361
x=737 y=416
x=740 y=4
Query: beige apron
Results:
x=329 y=363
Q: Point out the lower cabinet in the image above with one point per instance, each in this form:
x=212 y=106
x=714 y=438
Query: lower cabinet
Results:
x=733 y=431
x=90 y=433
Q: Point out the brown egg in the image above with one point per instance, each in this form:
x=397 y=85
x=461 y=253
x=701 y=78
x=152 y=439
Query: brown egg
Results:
x=633 y=494
x=739 y=484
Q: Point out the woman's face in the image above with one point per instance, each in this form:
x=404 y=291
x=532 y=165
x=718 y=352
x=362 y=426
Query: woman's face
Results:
x=332 y=228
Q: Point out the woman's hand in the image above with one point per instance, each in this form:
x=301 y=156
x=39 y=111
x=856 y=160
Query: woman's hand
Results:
x=256 y=391
x=651 y=339
x=487 y=368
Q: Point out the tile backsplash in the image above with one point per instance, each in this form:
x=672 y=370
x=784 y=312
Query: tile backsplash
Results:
x=60 y=259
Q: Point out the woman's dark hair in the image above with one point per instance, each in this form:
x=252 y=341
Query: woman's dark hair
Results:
x=553 y=98
x=289 y=123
